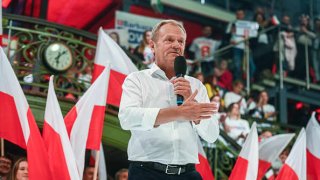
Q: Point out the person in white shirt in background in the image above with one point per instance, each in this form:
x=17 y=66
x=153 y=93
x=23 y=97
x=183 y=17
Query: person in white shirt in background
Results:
x=204 y=48
x=163 y=141
x=262 y=109
x=235 y=96
x=233 y=125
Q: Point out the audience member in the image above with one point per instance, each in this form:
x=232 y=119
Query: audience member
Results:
x=239 y=47
x=19 y=170
x=122 y=174
x=262 y=109
x=5 y=167
x=262 y=46
x=85 y=77
x=88 y=173
x=233 y=125
x=235 y=96
x=224 y=75
x=143 y=51
x=204 y=48
x=305 y=39
x=288 y=48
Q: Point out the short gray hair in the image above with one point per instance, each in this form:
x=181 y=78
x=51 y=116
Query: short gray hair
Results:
x=156 y=28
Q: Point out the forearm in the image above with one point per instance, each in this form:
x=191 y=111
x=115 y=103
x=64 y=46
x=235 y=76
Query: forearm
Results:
x=167 y=115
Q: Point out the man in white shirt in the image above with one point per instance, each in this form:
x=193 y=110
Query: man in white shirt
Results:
x=163 y=141
x=204 y=48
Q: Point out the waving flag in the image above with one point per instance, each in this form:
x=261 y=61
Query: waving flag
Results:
x=270 y=149
x=203 y=167
x=17 y=122
x=84 y=121
x=109 y=52
x=62 y=161
x=246 y=167
x=313 y=148
x=295 y=166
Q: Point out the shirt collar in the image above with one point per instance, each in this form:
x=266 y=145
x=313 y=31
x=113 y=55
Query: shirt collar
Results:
x=155 y=71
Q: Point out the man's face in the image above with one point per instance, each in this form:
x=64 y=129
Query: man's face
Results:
x=5 y=165
x=207 y=31
x=168 y=44
x=240 y=15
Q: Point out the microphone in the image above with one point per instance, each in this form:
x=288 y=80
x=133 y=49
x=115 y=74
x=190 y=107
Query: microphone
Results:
x=180 y=68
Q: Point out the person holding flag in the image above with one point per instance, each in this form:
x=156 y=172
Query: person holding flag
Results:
x=163 y=140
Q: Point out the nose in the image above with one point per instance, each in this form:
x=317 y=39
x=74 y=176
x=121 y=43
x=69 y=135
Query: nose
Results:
x=176 y=44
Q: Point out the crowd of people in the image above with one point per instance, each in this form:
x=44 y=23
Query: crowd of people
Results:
x=18 y=170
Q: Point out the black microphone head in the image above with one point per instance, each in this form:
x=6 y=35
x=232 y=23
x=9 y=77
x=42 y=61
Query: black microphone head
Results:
x=180 y=66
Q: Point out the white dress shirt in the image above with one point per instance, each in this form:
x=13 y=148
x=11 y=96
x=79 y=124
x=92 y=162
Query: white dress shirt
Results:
x=144 y=94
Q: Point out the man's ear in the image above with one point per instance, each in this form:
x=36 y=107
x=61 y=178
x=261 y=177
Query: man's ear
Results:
x=152 y=44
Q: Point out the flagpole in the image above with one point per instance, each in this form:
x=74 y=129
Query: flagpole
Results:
x=96 y=165
x=2 y=147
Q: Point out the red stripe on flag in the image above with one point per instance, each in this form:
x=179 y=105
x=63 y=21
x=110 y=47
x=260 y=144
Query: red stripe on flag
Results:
x=1 y=43
x=286 y=172
x=115 y=84
x=263 y=168
x=70 y=119
x=95 y=129
x=239 y=171
x=115 y=87
x=10 y=120
x=204 y=168
x=313 y=166
x=5 y=3
x=37 y=154
x=55 y=151
x=97 y=70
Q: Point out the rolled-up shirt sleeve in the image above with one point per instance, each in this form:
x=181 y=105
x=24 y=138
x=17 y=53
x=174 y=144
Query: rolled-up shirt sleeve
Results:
x=132 y=115
x=207 y=129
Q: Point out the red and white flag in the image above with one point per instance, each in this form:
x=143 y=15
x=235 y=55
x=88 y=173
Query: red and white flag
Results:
x=274 y=20
x=62 y=161
x=17 y=122
x=294 y=167
x=270 y=149
x=203 y=167
x=246 y=167
x=109 y=52
x=313 y=148
x=85 y=120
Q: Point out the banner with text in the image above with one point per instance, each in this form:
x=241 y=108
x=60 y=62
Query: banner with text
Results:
x=135 y=24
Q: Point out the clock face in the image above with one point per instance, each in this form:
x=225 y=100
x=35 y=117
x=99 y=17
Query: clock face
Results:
x=58 y=57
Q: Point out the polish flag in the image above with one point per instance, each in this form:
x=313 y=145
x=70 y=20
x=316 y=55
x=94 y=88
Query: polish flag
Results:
x=203 y=167
x=85 y=120
x=246 y=167
x=270 y=149
x=313 y=148
x=17 y=122
x=109 y=52
x=274 y=20
x=62 y=161
x=295 y=166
